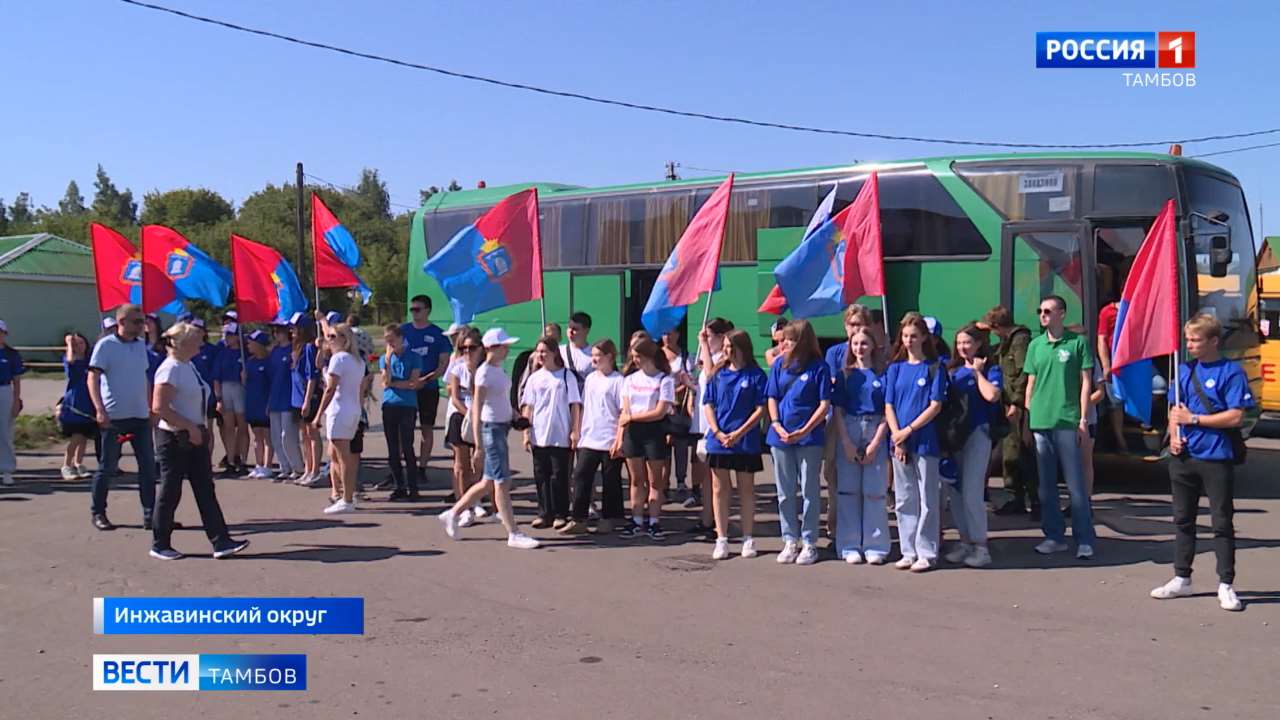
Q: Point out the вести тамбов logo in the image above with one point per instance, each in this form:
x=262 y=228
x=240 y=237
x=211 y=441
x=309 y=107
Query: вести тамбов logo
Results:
x=1145 y=59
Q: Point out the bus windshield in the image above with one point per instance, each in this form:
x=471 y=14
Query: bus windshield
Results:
x=1232 y=298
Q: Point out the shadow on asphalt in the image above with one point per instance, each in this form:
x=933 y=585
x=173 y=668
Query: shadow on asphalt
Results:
x=340 y=553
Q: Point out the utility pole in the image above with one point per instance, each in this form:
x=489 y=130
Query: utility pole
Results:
x=671 y=170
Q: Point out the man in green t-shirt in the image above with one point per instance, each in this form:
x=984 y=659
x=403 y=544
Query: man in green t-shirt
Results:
x=1058 y=369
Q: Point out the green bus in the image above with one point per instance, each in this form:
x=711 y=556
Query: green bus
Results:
x=960 y=234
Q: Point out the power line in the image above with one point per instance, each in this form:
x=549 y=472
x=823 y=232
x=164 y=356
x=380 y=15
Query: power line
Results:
x=349 y=189
x=1236 y=150
x=673 y=111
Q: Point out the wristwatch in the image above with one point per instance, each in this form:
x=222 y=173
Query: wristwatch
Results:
x=1195 y=419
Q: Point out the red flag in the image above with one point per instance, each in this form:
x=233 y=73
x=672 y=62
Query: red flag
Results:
x=116 y=267
x=698 y=250
x=775 y=303
x=512 y=225
x=1147 y=321
x=864 y=252
x=266 y=288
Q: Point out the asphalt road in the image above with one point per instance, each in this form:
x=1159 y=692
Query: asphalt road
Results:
x=590 y=628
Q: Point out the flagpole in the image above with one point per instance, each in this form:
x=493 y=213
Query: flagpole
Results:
x=542 y=313
x=884 y=312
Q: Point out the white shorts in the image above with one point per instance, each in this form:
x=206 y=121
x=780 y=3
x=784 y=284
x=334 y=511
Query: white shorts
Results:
x=341 y=427
x=233 y=398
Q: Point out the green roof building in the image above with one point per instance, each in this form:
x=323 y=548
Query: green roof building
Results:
x=46 y=290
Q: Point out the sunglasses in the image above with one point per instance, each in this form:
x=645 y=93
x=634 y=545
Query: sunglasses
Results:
x=1046 y=311
x=330 y=337
x=417 y=309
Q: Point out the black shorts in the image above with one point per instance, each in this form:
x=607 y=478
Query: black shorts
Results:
x=428 y=406
x=86 y=429
x=739 y=462
x=259 y=424
x=357 y=441
x=453 y=435
x=646 y=440
x=313 y=407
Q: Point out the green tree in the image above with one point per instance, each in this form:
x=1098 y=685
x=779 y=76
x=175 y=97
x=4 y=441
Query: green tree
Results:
x=185 y=207
x=453 y=186
x=20 y=213
x=112 y=205
x=72 y=202
x=370 y=196
x=425 y=195
x=4 y=218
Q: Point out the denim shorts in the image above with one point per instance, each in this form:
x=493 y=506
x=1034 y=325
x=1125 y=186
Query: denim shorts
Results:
x=497 y=463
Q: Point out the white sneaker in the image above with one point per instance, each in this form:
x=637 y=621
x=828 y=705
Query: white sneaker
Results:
x=958 y=553
x=82 y=471
x=1049 y=547
x=722 y=549
x=789 y=553
x=921 y=565
x=876 y=559
x=1227 y=598
x=340 y=507
x=749 y=547
x=303 y=480
x=520 y=541
x=478 y=513
x=1084 y=552
x=906 y=562
x=450 y=523
x=808 y=555
x=6 y=479
x=69 y=473
x=980 y=557
x=1175 y=588
x=465 y=519
x=853 y=557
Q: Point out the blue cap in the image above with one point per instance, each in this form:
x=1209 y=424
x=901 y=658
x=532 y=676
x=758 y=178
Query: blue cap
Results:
x=301 y=318
x=934 y=325
x=332 y=317
x=259 y=337
x=185 y=317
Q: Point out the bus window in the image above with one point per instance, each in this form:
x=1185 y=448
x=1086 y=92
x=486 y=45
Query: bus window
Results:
x=440 y=227
x=1046 y=263
x=666 y=215
x=1132 y=189
x=564 y=234
x=918 y=217
x=1027 y=192
x=1228 y=298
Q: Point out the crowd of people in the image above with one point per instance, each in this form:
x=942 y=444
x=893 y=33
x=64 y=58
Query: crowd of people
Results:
x=907 y=423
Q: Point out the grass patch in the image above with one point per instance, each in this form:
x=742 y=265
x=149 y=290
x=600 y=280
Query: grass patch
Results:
x=34 y=431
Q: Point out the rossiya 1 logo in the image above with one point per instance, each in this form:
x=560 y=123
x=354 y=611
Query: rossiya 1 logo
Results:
x=1168 y=54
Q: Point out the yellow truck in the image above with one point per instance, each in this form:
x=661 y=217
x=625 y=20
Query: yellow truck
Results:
x=1269 y=294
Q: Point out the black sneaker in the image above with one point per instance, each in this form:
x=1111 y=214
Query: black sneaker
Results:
x=655 y=532
x=101 y=522
x=166 y=554
x=398 y=494
x=413 y=496
x=224 y=463
x=230 y=548
x=147 y=524
x=631 y=531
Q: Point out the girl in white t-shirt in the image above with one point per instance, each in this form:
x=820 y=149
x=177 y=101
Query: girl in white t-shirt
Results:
x=490 y=425
x=551 y=402
x=599 y=442
x=339 y=414
x=468 y=355
x=647 y=397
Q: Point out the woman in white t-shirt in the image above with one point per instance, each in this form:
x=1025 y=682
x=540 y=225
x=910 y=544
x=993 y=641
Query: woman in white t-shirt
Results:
x=490 y=424
x=647 y=396
x=599 y=443
x=180 y=400
x=458 y=382
x=551 y=402
x=339 y=414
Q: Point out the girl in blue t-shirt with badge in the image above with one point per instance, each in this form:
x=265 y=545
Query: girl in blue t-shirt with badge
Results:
x=732 y=406
x=281 y=414
x=915 y=388
x=257 y=389
x=799 y=392
x=861 y=454
x=983 y=385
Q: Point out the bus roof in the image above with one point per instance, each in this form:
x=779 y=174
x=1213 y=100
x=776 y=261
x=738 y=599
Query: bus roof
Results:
x=491 y=195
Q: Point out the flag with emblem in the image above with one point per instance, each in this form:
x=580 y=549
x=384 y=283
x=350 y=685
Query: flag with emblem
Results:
x=775 y=302
x=494 y=262
x=117 y=269
x=266 y=288
x=175 y=270
x=334 y=250
x=691 y=269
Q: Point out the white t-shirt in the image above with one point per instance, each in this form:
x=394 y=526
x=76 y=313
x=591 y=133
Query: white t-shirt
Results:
x=497 y=392
x=550 y=394
x=577 y=358
x=458 y=368
x=696 y=420
x=646 y=391
x=350 y=371
x=191 y=393
x=601 y=405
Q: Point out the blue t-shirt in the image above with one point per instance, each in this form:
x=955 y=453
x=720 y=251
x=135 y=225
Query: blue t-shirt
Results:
x=226 y=368
x=798 y=392
x=836 y=357
x=402 y=366
x=257 y=388
x=304 y=370
x=10 y=365
x=77 y=407
x=124 y=377
x=861 y=392
x=280 y=376
x=206 y=360
x=1227 y=388
x=427 y=343
x=154 y=358
x=909 y=391
x=980 y=411
x=734 y=395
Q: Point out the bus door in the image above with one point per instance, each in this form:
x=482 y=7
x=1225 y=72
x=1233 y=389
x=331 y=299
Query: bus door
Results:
x=1047 y=258
x=602 y=296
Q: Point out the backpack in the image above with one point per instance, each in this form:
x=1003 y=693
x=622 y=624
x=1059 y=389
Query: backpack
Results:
x=953 y=421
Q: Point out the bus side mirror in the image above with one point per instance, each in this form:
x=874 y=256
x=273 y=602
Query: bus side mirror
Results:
x=1219 y=255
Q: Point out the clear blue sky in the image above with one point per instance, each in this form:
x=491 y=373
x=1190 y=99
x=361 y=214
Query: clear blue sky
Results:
x=163 y=102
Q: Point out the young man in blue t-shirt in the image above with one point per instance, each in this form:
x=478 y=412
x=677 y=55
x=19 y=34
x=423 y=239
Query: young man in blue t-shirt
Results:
x=426 y=340
x=1214 y=393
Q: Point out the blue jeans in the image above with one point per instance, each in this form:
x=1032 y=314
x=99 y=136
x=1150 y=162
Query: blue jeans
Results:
x=860 y=492
x=109 y=463
x=1054 y=448
x=968 y=506
x=497 y=461
x=917 y=489
x=796 y=471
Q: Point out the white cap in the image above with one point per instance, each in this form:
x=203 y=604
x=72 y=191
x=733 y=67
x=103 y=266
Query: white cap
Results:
x=4 y=328
x=230 y=329
x=108 y=323
x=454 y=328
x=231 y=314
x=333 y=318
x=498 y=336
